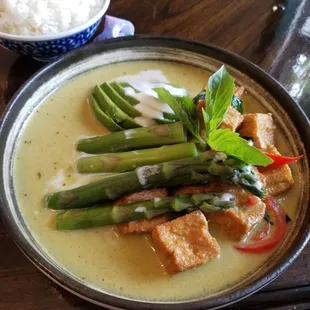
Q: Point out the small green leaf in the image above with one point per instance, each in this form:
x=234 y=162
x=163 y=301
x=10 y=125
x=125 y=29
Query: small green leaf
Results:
x=206 y=117
x=238 y=104
x=219 y=94
x=201 y=96
x=184 y=109
x=224 y=140
x=189 y=106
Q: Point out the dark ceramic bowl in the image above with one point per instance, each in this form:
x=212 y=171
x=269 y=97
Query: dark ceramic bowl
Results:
x=288 y=116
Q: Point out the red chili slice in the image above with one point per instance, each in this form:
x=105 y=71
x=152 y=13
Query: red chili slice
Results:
x=279 y=160
x=280 y=228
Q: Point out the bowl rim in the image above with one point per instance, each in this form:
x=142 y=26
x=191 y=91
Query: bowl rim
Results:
x=298 y=116
x=59 y=35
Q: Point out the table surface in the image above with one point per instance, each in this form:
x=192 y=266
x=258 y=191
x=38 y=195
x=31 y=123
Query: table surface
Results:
x=268 y=33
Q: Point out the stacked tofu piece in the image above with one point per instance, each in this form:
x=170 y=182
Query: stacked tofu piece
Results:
x=260 y=127
x=185 y=242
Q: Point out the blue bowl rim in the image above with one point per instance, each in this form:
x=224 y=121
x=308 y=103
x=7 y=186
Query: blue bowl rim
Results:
x=59 y=35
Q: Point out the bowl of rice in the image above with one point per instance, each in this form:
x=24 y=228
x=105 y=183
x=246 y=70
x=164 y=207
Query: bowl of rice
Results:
x=47 y=29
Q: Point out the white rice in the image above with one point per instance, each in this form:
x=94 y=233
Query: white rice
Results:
x=39 y=17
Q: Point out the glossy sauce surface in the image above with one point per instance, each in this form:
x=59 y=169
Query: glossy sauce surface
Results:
x=128 y=265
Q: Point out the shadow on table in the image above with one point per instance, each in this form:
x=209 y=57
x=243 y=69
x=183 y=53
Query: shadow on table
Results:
x=23 y=68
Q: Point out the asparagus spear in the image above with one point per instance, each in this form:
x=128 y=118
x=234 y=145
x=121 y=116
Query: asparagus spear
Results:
x=109 y=188
x=120 y=162
x=207 y=165
x=109 y=215
x=134 y=139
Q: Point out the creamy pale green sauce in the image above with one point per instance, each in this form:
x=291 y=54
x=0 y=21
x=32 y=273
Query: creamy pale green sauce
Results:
x=45 y=162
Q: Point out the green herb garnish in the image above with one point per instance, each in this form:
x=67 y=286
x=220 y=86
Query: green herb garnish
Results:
x=184 y=109
x=200 y=97
x=219 y=96
x=238 y=104
x=219 y=93
x=231 y=143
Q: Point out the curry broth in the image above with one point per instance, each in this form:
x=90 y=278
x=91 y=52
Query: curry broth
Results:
x=125 y=265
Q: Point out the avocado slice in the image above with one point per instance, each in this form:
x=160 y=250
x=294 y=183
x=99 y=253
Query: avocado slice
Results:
x=113 y=111
x=168 y=117
x=104 y=119
x=120 y=90
x=126 y=84
x=120 y=101
x=164 y=121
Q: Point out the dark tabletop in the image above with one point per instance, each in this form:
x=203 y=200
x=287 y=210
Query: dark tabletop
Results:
x=266 y=32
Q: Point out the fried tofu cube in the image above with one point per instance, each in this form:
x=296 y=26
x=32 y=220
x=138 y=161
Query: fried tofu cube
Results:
x=272 y=150
x=233 y=119
x=260 y=127
x=185 y=242
x=277 y=179
x=238 y=91
x=238 y=222
x=141 y=226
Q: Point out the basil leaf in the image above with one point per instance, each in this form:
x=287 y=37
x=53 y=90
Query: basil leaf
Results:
x=200 y=97
x=219 y=94
x=205 y=116
x=189 y=106
x=224 y=140
x=238 y=104
x=184 y=109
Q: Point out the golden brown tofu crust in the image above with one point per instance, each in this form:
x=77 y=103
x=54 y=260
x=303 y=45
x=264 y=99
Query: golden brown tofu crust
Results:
x=233 y=119
x=242 y=196
x=277 y=179
x=272 y=150
x=238 y=91
x=142 y=196
x=185 y=242
x=141 y=226
x=238 y=222
x=260 y=127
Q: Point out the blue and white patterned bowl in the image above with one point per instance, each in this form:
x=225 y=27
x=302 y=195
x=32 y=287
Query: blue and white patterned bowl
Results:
x=50 y=47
